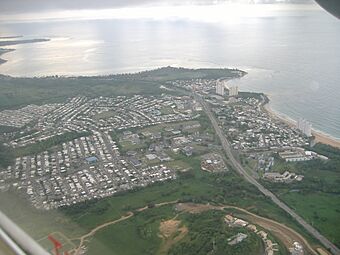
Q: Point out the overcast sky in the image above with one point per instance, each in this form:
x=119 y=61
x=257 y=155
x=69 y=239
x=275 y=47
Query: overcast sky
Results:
x=21 y=6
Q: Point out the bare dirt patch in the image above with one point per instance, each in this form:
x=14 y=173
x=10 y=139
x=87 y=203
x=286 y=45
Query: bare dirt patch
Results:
x=194 y=208
x=169 y=227
x=171 y=232
x=322 y=251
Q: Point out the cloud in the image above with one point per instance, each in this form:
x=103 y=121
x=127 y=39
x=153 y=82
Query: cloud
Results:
x=20 y=6
x=231 y=13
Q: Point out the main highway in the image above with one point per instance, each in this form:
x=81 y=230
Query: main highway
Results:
x=226 y=147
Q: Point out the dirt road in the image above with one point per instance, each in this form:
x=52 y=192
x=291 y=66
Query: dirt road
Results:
x=104 y=225
x=281 y=231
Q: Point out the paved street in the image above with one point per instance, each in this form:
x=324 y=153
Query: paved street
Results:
x=226 y=147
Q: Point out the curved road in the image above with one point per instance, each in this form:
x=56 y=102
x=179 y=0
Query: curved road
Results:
x=226 y=147
x=104 y=225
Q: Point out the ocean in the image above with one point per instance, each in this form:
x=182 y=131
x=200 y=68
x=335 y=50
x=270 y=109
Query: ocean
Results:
x=293 y=57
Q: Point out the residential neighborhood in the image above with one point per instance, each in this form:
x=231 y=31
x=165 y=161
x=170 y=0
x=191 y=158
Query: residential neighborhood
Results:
x=104 y=146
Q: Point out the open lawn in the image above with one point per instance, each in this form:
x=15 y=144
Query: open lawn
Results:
x=317 y=197
x=321 y=210
x=105 y=115
x=138 y=235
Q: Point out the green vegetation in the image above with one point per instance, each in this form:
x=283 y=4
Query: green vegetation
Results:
x=15 y=42
x=6 y=156
x=17 y=92
x=317 y=197
x=208 y=234
x=7 y=129
x=138 y=235
x=259 y=96
x=105 y=115
x=35 y=222
x=205 y=124
x=194 y=185
x=172 y=73
x=320 y=209
x=41 y=146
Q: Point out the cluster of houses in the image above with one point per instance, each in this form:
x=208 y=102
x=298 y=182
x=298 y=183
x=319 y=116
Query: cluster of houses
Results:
x=232 y=221
x=95 y=158
x=159 y=144
x=202 y=85
x=250 y=128
x=89 y=166
x=265 y=162
x=21 y=117
x=80 y=114
x=213 y=162
x=239 y=237
x=83 y=169
x=286 y=177
x=94 y=165
x=297 y=249
x=300 y=154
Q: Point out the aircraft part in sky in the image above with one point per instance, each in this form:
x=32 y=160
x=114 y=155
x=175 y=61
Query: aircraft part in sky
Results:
x=332 y=6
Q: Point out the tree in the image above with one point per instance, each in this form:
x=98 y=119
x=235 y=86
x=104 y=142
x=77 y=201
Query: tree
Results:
x=6 y=156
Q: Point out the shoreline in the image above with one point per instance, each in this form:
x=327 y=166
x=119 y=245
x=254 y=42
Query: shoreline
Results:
x=4 y=51
x=320 y=137
x=15 y=42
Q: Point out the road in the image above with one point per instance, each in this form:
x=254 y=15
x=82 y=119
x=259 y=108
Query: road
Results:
x=93 y=231
x=285 y=234
x=83 y=238
x=226 y=147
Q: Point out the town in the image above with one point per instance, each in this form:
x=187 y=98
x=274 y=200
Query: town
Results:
x=88 y=148
x=258 y=137
x=103 y=146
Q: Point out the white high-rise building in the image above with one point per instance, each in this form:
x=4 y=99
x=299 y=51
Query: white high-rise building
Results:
x=220 y=88
x=305 y=127
x=233 y=91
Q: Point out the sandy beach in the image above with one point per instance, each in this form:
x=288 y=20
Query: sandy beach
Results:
x=319 y=136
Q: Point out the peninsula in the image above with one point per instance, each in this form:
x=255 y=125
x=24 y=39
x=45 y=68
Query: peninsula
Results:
x=5 y=42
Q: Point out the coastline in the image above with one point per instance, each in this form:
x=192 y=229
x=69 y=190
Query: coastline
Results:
x=2 y=52
x=15 y=42
x=319 y=136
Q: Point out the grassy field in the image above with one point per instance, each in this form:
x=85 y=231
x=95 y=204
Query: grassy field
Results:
x=198 y=186
x=141 y=235
x=321 y=210
x=138 y=235
x=317 y=197
x=105 y=115
x=208 y=234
